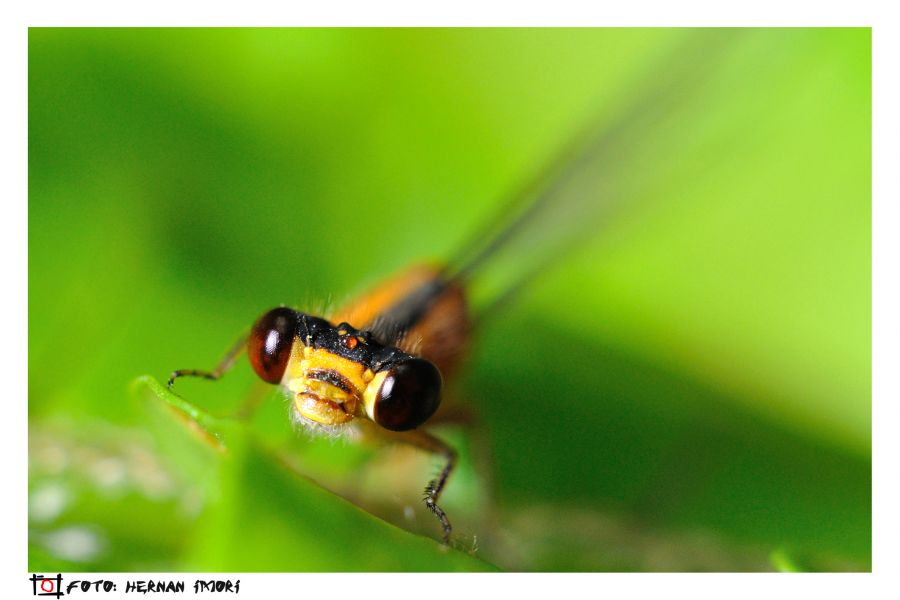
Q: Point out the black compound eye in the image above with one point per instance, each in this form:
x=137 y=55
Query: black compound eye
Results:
x=270 y=343
x=409 y=395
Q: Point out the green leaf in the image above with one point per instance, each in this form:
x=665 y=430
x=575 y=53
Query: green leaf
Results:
x=262 y=515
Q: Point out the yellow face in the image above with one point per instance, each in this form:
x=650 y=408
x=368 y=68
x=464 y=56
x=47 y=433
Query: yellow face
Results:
x=329 y=389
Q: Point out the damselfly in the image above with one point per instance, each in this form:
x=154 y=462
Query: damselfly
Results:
x=384 y=357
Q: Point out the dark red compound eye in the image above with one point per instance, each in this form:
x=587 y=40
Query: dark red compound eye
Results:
x=409 y=395
x=270 y=343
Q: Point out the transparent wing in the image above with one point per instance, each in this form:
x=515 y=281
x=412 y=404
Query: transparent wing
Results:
x=593 y=181
x=590 y=182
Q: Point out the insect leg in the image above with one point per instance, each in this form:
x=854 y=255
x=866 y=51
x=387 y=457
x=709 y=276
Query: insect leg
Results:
x=430 y=443
x=223 y=366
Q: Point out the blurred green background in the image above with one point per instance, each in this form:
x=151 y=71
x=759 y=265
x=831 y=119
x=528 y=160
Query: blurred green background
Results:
x=689 y=389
